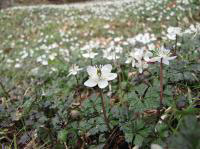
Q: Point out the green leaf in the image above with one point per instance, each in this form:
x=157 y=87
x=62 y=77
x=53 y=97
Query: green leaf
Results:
x=188 y=135
x=138 y=140
x=129 y=137
x=62 y=135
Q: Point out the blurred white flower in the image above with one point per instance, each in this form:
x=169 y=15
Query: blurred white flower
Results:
x=172 y=32
x=74 y=69
x=18 y=65
x=193 y=29
x=99 y=75
x=145 y=38
x=44 y=62
x=107 y=26
x=141 y=65
x=139 y=58
x=151 y=47
x=163 y=54
x=131 y=58
x=132 y=41
x=110 y=55
x=89 y=54
x=156 y=146
x=34 y=71
x=88 y=49
x=153 y=146
x=52 y=56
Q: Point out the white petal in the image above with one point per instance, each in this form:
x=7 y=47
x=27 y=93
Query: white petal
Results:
x=69 y=74
x=92 y=70
x=128 y=60
x=147 y=55
x=140 y=70
x=90 y=83
x=92 y=55
x=106 y=68
x=133 y=63
x=171 y=58
x=86 y=55
x=136 y=147
x=111 y=76
x=155 y=146
x=155 y=59
x=165 y=61
x=102 y=83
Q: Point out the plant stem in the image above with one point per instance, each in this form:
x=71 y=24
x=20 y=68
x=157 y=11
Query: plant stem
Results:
x=176 y=42
x=91 y=62
x=104 y=111
x=4 y=90
x=77 y=80
x=161 y=82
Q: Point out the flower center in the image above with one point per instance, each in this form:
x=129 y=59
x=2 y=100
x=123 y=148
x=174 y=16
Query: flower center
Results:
x=99 y=72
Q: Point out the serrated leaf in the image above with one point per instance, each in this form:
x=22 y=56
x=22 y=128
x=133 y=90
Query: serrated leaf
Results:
x=129 y=137
x=138 y=140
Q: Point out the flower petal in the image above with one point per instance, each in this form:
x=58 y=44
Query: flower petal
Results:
x=133 y=63
x=90 y=83
x=171 y=58
x=106 y=68
x=140 y=70
x=155 y=59
x=128 y=60
x=111 y=76
x=102 y=83
x=92 y=70
x=165 y=61
x=155 y=146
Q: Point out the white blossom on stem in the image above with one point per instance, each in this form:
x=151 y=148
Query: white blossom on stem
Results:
x=99 y=75
x=74 y=69
x=163 y=54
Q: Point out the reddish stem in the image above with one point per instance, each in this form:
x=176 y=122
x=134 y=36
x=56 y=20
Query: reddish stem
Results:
x=104 y=111
x=161 y=82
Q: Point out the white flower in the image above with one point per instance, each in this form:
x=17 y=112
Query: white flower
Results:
x=139 y=58
x=88 y=50
x=145 y=38
x=44 y=62
x=193 y=29
x=52 y=56
x=99 y=76
x=141 y=65
x=89 y=54
x=172 y=32
x=34 y=71
x=131 y=59
x=132 y=41
x=110 y=55
x=18 y=65
x=74 y=69
x=155 y=146
x=163 y=54
x=151 y=46
x=107 y=26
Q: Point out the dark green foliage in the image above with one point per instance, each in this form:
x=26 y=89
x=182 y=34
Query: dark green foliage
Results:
x=188 y=134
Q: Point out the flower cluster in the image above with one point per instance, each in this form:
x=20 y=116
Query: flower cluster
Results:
x=139 y=58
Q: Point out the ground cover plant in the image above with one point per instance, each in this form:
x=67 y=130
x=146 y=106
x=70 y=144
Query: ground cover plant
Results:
x=112 y=75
